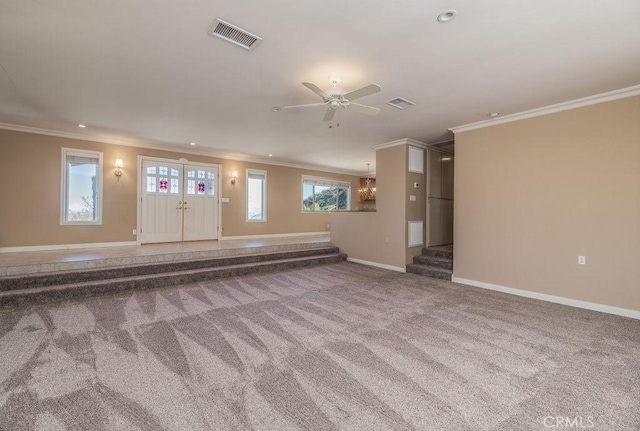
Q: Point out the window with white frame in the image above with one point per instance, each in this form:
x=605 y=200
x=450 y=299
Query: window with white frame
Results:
x=256 y=195
x=322 y=194
x=81 y=201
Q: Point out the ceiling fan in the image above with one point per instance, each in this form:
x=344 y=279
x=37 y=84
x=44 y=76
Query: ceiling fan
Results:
x=337 y=97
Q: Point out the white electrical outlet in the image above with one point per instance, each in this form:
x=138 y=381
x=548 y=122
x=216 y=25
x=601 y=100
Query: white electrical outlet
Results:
x=328 y=226
x=135 y=231
x=582 y=260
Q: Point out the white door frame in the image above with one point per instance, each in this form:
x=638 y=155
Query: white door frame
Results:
x=184 y=162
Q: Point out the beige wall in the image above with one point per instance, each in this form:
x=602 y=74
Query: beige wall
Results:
x=381 y=237
x=532 y=195
x=30 y=193
x=378 y=236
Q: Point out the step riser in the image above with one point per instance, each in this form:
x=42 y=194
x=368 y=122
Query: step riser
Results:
x=426 y=260
x=14 y=283
x=25 y=297
x=418 y=270
x=447 y=254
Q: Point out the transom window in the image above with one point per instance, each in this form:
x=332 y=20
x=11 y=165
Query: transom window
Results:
x=81 y=187
x=323 y=194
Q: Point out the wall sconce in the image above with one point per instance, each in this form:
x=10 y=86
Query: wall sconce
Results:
x=234 y=175
x=119 y=166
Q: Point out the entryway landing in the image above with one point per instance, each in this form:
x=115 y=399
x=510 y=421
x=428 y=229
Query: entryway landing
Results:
x=22 y=263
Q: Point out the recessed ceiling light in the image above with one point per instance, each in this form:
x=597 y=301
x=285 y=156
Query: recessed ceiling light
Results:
x=447 y=15
x=494 y=114
x=270 y=155
x=82 y=126
x=192 y=143
x=276 y=108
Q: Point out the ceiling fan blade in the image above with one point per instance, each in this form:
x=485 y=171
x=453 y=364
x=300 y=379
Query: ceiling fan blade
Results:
x=313 y=87
x=362 y=109
x=328 y=116
x=306 y=105
x=361 y=92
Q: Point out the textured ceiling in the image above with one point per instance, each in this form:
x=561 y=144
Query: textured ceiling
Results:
x=146 y=72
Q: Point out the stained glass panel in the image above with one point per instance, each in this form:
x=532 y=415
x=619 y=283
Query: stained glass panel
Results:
x=151 y=184
x=175 y=186
x=151 y=170
x=164 y=170
x=163 y=185
x=191 y=187
x=174 y=172
x=191 y=174
x=201 y=187
x=201 y=174
x=210 y=175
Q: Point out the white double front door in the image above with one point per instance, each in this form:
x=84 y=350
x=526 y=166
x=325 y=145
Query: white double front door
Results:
x=179 y=201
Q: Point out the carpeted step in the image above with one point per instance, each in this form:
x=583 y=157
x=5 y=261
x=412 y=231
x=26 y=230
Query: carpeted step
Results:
x=430 y=271
x=62 y=292
x=438 y=262
x=132 y=270
x=437 y=252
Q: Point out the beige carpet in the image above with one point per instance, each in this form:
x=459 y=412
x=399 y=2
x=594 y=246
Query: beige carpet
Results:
x=331 y=347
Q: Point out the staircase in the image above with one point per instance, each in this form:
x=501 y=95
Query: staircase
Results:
x=65 y=284
x=435 y=262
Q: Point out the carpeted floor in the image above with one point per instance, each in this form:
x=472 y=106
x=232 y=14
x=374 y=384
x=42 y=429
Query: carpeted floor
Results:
x=330 y=347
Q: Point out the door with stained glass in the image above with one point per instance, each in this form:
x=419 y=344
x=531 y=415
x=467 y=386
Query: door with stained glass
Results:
x=179 y=201
x=162 y=214
x=200 y=202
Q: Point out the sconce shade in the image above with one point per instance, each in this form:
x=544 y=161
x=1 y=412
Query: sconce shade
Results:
x=118 y=171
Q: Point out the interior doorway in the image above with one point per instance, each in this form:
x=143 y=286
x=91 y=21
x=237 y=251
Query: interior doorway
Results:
x=440 y=169
x=179 y=201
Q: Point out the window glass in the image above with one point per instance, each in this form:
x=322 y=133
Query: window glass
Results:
x=256 y=195
x=82 y=187
x=321 y=195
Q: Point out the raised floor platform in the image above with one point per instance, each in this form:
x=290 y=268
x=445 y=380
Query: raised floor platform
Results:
x=24 y=263
x=31 y=278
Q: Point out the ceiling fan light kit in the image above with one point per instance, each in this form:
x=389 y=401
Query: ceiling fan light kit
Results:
x=337 y=97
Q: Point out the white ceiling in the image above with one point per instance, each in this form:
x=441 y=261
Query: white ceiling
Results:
x=147 y=72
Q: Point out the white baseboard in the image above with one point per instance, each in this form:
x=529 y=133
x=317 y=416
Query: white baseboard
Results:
x=377 y=265
x=66 y=246
x=274 y=235
x=551 y=298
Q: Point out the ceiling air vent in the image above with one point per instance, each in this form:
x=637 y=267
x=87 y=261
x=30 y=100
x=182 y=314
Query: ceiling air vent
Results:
x=233 y=34
x=400 y=103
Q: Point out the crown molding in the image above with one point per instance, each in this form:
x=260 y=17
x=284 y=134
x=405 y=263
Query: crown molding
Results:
x=558 y=107
x=403 y=141
x=215 y=154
